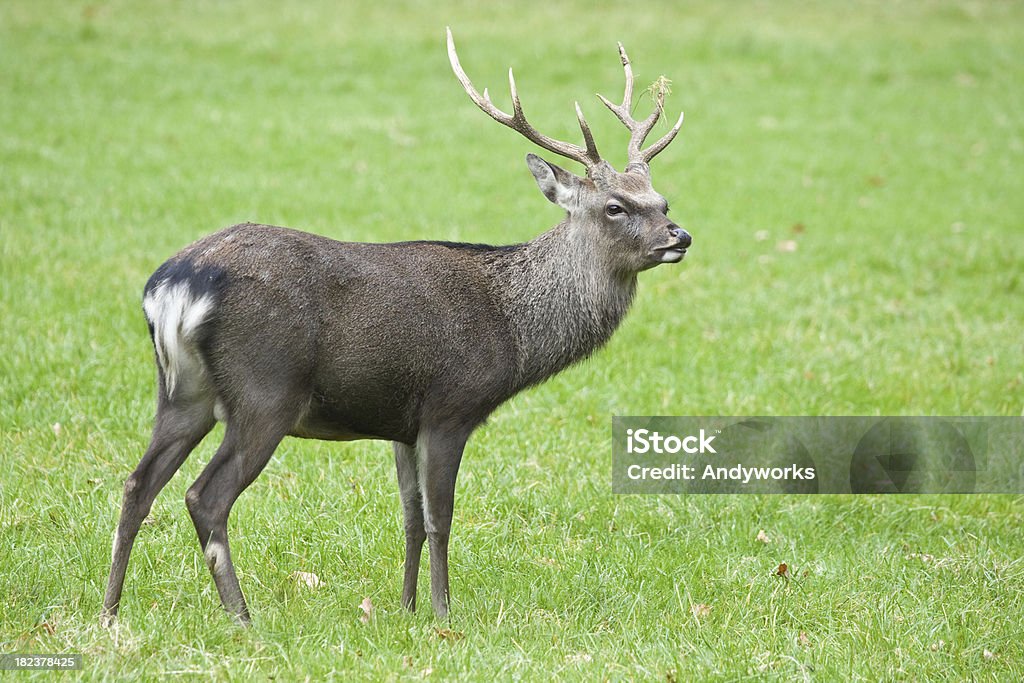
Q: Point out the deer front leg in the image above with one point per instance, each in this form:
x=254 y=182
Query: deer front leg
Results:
x=439 y=455
x=412 y=509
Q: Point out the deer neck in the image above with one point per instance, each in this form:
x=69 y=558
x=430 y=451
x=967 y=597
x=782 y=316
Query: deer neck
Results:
x=562 y=300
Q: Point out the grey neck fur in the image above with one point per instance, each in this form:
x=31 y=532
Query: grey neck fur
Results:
x=562 y=300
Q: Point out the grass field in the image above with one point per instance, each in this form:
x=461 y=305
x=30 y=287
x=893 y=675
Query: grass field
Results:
x=852 y=177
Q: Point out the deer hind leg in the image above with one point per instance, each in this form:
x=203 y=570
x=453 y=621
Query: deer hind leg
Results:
x=249 y=441
x=177 y=430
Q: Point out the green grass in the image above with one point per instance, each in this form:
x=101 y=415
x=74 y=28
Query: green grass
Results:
x=885 y=140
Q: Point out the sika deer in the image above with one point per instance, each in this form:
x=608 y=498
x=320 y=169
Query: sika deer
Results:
x=276 y=332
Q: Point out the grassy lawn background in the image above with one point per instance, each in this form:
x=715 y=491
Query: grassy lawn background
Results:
x=851 y=175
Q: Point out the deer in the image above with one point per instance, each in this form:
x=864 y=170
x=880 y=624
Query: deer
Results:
x=276 y=332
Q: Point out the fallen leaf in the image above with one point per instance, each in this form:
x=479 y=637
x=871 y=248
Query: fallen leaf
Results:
x=407 y=661
x=798 y=228
x=803 y=639
x=700 y=611
x=783 y=570
x=48 y=627
x=367 y=606
x=762 y=537
x=448 y=634
x=876 y=181
x=307 y=579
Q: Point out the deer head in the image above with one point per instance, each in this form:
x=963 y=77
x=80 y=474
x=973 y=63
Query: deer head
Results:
x=622 y=211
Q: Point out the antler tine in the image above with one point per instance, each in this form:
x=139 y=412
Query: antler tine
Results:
x=622 y=111
x=627 y=67
x=661 y=144
x=639 y=130
x=588 y=137
x=589 y=157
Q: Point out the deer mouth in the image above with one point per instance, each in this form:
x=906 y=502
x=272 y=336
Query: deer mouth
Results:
x=670 y=254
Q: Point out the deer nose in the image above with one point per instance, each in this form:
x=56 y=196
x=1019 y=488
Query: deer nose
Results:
x=684 y=237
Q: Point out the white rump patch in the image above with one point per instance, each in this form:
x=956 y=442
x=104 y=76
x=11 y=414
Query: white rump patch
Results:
x=175 y=314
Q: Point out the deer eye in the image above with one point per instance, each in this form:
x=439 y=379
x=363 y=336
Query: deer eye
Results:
x=614 y=210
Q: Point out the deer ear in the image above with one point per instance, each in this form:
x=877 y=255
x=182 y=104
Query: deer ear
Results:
x=557 y=184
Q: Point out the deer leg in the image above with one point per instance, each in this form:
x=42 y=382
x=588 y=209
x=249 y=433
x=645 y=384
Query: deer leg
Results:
x=439 y=455
x=412 y=509
x=177 y=430
x=240 y=458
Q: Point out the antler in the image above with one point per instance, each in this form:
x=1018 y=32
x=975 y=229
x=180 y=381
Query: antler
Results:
x=640 y=129
x=589 y=157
